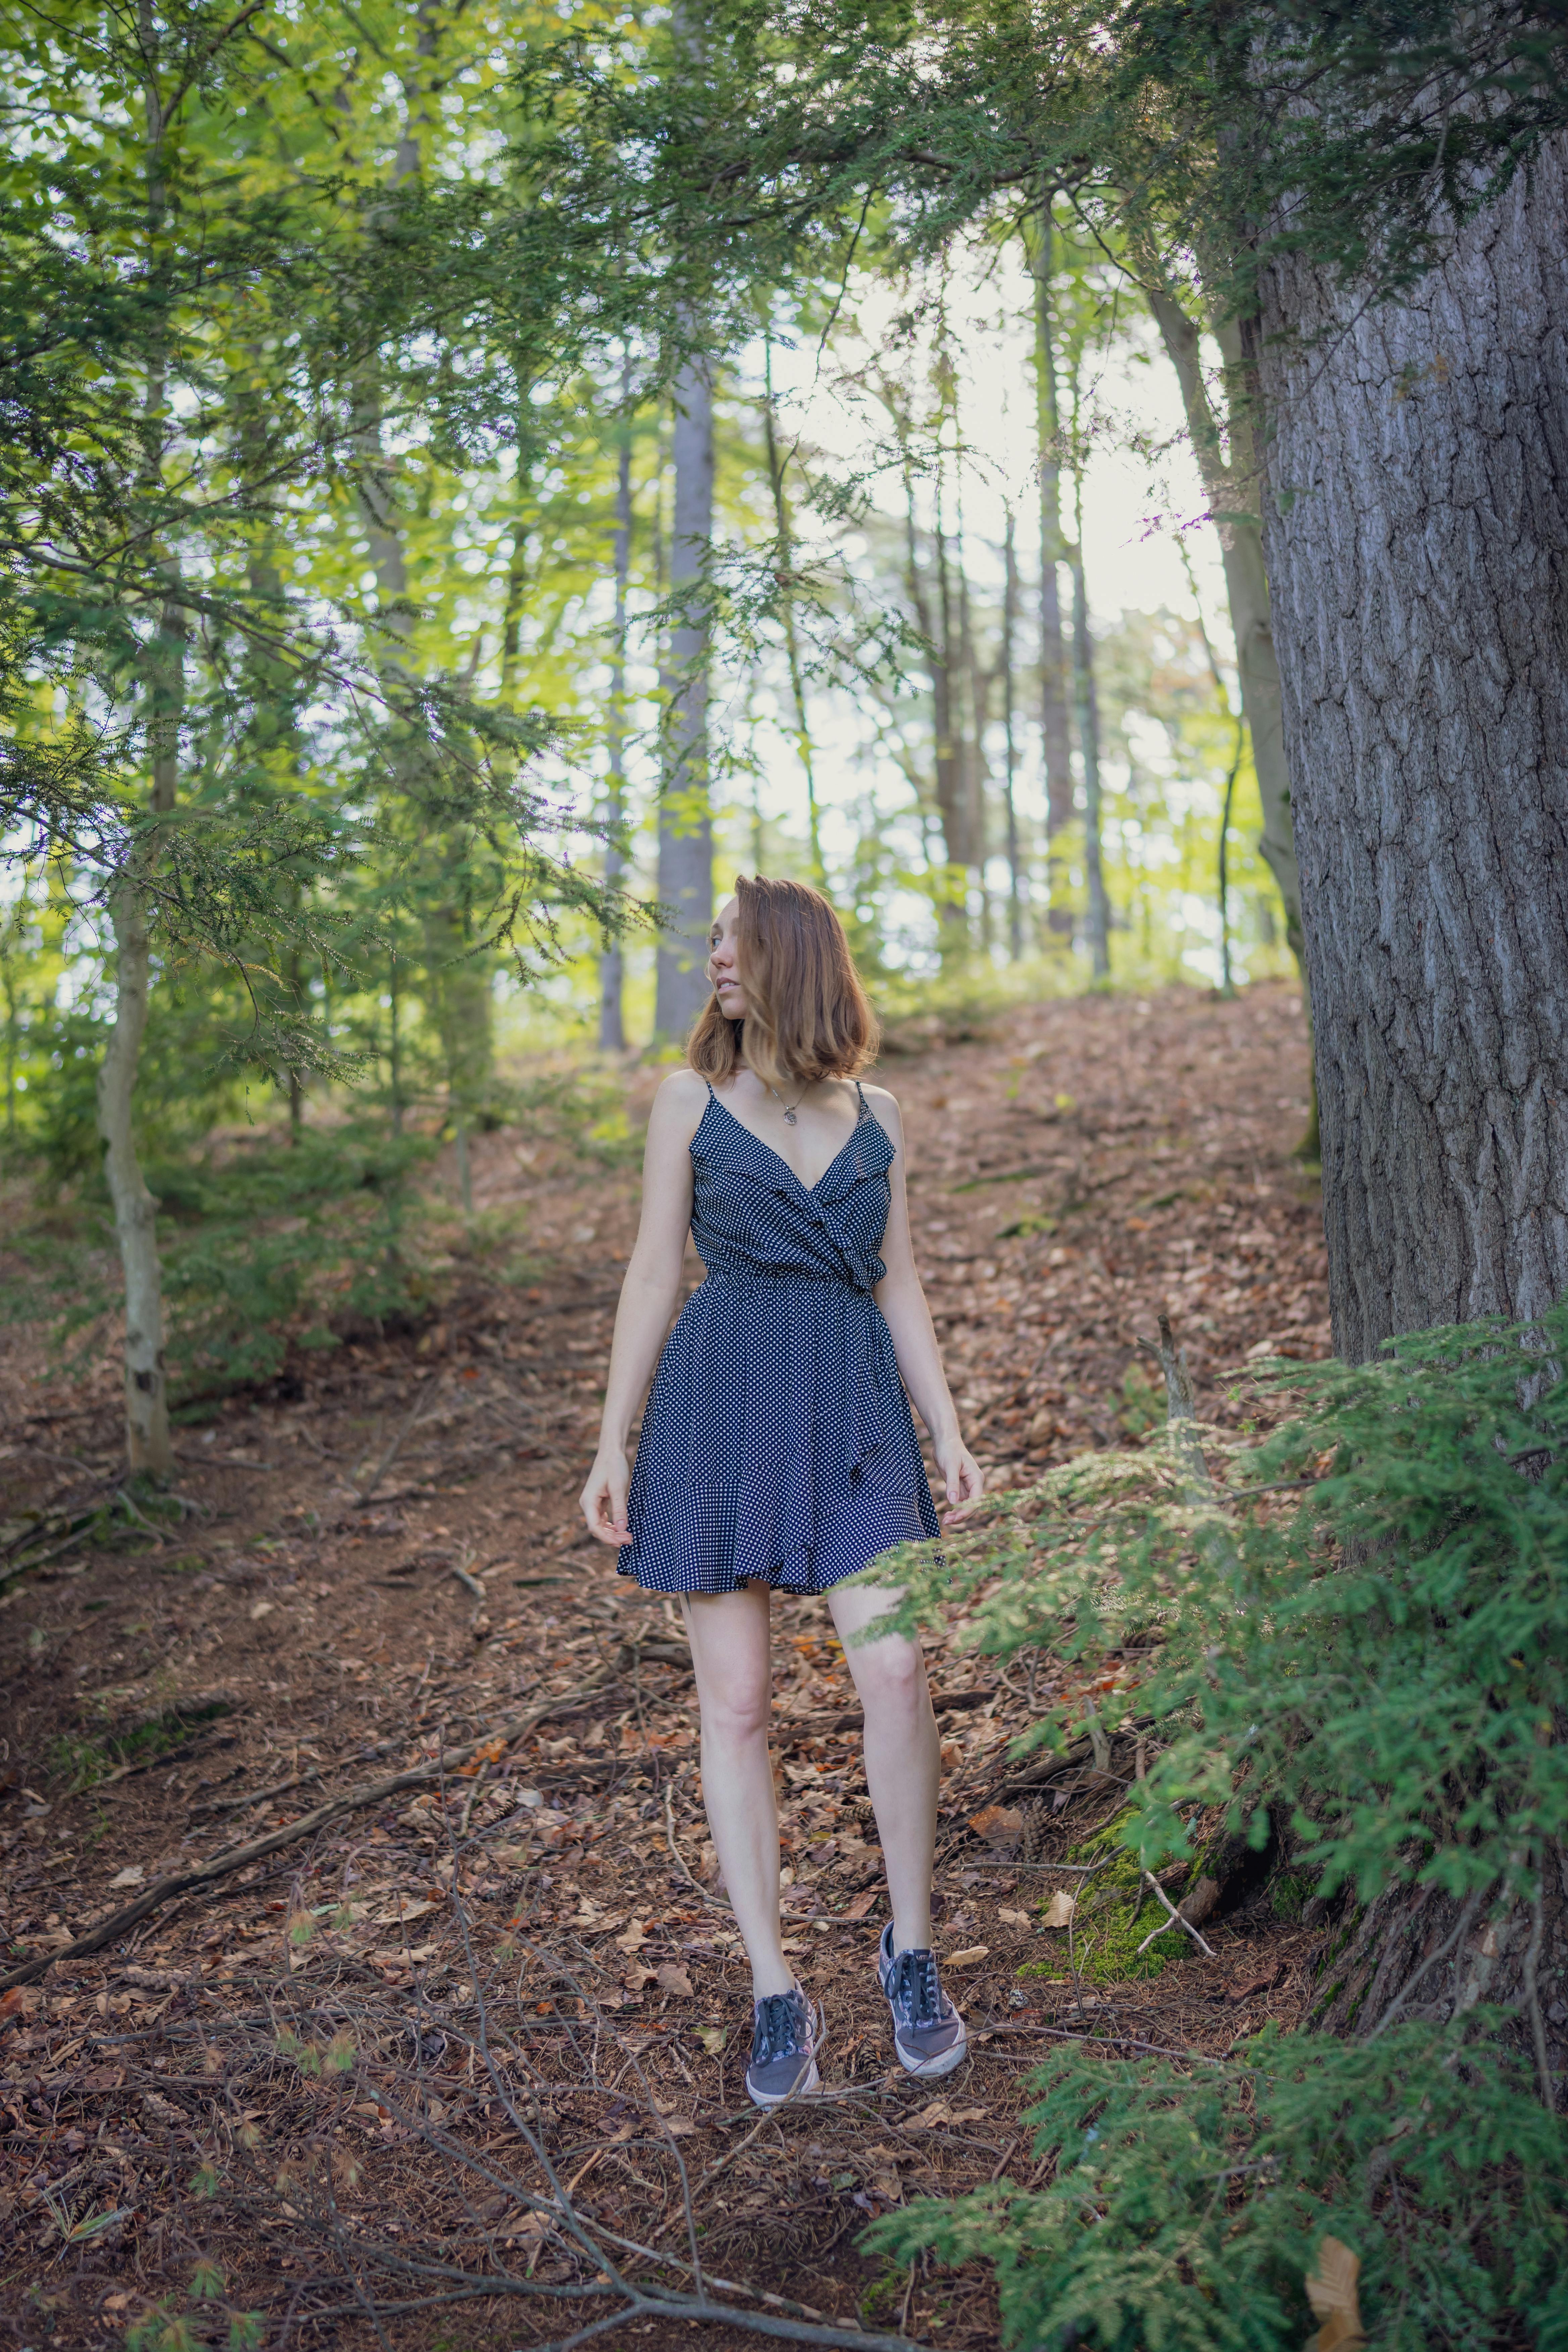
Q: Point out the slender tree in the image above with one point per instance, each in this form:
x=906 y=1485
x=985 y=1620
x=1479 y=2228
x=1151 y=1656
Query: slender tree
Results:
x=685 y=815
x=612 y=959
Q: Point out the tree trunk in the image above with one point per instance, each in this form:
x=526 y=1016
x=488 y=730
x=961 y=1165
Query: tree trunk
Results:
x=1014 y=873
x=1414 y=534
x=1416 y=1953
x=1057 y=746
x=685 y=818
x=148 y=1446
x=784 y=535
x=1087 y=701
x=611 y=961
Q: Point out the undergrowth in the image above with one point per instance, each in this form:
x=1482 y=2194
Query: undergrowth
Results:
x=1185 y=2206
x=1352 y=1648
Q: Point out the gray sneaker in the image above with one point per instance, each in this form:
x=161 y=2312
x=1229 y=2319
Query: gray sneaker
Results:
x=784 y=2049
x=928 y=2031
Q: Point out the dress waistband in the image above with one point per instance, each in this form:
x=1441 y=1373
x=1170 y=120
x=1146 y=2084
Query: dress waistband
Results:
x=749 y=1278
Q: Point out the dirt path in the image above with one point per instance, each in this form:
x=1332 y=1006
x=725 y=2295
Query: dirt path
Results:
x=299 y=2041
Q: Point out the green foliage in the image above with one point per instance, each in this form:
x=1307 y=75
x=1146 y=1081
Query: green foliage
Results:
x=1360 y=1647
x=1186 y=2204
x=1372 y=1663
x=1115 y=1912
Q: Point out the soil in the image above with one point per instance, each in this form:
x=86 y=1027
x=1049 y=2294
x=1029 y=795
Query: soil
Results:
x=272 y=2096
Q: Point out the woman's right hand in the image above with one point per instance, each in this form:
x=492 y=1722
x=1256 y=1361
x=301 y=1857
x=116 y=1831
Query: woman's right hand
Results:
x=604 y=1498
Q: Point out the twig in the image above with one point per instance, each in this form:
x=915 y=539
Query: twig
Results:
x=431 y=1381
x=256 y=1796
x=370 y=1793
x=1533 y=1995
x=1175 y=1920
x=715 y=1902
x=469 y=1583
x=479 y=1776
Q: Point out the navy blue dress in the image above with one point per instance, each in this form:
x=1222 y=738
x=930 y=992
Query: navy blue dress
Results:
x=778 y=1446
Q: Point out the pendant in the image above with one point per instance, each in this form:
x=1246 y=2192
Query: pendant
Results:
x=789 y=1118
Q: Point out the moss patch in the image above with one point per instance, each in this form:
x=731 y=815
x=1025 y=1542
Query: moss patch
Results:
x=1115 y=1913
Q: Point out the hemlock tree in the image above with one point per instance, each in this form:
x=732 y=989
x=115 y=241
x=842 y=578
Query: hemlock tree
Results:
x=1414 y=534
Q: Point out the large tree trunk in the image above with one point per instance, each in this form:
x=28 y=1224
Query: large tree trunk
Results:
x=1416 y=1953
x=685 y=818
x=1417 y=538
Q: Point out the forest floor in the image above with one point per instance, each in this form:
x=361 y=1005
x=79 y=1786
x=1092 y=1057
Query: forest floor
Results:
x=307 y=2090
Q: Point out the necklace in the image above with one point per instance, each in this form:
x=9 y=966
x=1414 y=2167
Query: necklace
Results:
x=788 y=1109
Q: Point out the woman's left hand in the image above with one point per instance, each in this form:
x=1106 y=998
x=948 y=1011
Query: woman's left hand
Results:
x=963 y=1477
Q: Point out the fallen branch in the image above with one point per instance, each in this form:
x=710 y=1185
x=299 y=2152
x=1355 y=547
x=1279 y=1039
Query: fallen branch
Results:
x=1175 y=1920
x=353 y=1800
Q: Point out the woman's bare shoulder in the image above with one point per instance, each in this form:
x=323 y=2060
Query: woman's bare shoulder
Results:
x=681 y=1099
x=884 y=1106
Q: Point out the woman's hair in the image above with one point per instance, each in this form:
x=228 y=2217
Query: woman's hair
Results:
x=808 y=1016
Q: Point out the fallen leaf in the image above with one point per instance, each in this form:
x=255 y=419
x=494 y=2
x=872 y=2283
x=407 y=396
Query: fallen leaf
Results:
x=970 y=1958
x=1058 y=1911
x=634 y=1976
x=1332 y=2291
x=393 y=1955
x=1014 y=1919
x=712 y=2038
x=999 y=1825
x=679 y=2127
x=861 y=1904
x=635 y=1937
x=262 y=1609
x=673 y=1978
x=11 y=2005
x=131 y=1875
x=403 y=1908
x=938 y=2112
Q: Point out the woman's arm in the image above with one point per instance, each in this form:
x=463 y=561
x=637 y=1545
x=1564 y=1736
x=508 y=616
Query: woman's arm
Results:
x=903 y=1305
x=648 y=1294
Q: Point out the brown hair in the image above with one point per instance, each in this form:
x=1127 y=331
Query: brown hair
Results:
x=809 y=1016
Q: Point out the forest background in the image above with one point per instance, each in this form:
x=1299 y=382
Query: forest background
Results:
x=471 y=479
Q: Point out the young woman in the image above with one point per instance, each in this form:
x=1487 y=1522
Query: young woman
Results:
x=777 y=1450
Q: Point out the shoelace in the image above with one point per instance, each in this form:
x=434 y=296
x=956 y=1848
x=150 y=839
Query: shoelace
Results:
x=915 y=1993
x=777 y=2030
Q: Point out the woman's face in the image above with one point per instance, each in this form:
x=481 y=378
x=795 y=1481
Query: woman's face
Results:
x=723 y=961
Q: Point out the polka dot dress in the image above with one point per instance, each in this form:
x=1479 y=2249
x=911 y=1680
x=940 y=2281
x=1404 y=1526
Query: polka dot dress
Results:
x=778 y=1446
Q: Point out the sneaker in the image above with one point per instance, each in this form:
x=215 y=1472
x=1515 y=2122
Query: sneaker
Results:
x=784 y=2049
x=928 y=2031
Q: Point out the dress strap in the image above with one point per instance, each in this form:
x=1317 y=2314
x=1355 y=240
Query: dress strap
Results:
x=865 y=1105
x=708 y=1084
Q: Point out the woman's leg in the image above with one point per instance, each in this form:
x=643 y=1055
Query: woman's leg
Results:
x=902 y=1757
x=729 y=1650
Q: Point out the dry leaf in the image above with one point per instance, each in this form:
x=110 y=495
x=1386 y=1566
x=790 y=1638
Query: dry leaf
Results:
x=861 y=1904
x=394 y=1956
x=262 y=1609
x=938 y=2112
x=1331 y=2292
x=1058 y=1911
x=402 y=1909
x=1014 y=1919
x=712 y=2038
x=673 y=1978
x=131 y=1875
x=999 y=1825
x=635 y=1937
x=970 y=1958
x=634 y=1976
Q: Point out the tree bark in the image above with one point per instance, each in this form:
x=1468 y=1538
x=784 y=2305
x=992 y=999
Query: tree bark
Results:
x=1054 y=740
x=1234 y=491
x=685 y=818
x=1417 y=537
x=1416 y=1953
x=1086 y=700
x=612 y=961
x=148 y=1444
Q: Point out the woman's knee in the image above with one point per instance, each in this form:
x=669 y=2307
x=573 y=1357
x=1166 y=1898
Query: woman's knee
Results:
x=737 y=1713
x=892 y=1675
